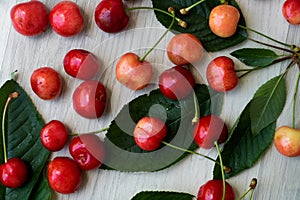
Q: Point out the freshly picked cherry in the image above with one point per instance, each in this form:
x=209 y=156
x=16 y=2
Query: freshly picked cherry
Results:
x=213 y=190
x=110 y=16
x=29 y=18
x=291 y=11
x=87 y=151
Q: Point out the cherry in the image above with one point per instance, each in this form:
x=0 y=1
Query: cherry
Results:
x=87 y=150
x=14 y=173
x=213 y=190
x=287 y=141
x=223 y=20
x=176 y=82
x=221 y=75
x=184 y=49
x=132 y=72
x=66 y=19
x=209 y=129
x=54 y=135
x=149 y=133
x=29 y=18
x=110 y=16
x=64 y=175
x=89 y=99
x=291 y=11
x=81 y=64
x=46 y=83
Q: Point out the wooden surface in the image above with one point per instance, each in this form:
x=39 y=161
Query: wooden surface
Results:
x=278 y=177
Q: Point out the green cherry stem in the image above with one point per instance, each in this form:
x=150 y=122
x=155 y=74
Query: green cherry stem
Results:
x=196 y=117
x=181 y=23
x=10 y=97
x=295 y=100
x=92 y=132
x=222 y=169
x=141 y=59
x=272 y=46
x=251 y=188
x=185 y=11
x=250 y=29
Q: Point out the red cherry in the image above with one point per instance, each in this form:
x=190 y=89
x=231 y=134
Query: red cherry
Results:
x=13 y=173
x=133 y=73
x=287 y=141
x=81 y=64
x=87 y=150
x=46 y=83
x=29 y=18
x=209 y=129
x=176 y=83
x=221 y=75
x=110 y=16
x=54 y=135
x=213 y=190
x=66 y=19
x=149 y=133
x=89 y=99
x=184 y=49
x=64 y=175
x=291 y=11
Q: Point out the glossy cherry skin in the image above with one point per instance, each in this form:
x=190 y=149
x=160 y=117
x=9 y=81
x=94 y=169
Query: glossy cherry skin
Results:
x=110 y=16
x=66 y=19
x=209 y=129
x=213 y=190
x=89 y=99
x=81 y=64
x=149 y=132
x=221 y=75
x=287 y=141
x=223 y=20
x=14 y=173
x=46 y=83
x=132 y=73
x=54 y=135
x=87 y=151
x=184 y=49
x=64 y=175
x=29 y=18
x=291 y=11
x=176 y=83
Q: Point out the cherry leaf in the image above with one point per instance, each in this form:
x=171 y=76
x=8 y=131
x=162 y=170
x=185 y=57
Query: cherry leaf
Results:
x=197 y=20
x=123 y=154
x=22 y=127
x=158 y=195
x=267 y=103
x=255 y=57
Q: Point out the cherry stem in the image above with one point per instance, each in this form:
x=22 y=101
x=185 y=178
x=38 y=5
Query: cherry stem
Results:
x=141 y=59
x=295 y=100
x=10 y=97
x=251 y=188
x=222 y=169
x=273 y=46
x=181 y=23
x=92 y=132
x=185 y=11
x=250 y=29
x=196 y=117
x=13 y=74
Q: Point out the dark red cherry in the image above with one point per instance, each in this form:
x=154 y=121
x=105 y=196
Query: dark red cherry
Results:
x=213 y=190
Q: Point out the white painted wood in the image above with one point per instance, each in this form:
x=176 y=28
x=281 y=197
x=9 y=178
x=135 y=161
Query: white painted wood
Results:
x=278 y=177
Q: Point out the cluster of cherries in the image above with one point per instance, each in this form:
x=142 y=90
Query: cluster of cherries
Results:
x=132 y=71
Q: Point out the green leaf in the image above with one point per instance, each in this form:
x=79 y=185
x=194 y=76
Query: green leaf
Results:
x=22 y=127
x=197 y=20
x=267 y=103
x=122 y=152
x=162 y=195
x=243 y=149
x=41 y=190
x=255 y=57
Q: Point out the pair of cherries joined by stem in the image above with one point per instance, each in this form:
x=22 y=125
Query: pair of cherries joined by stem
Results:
x=31 y=18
